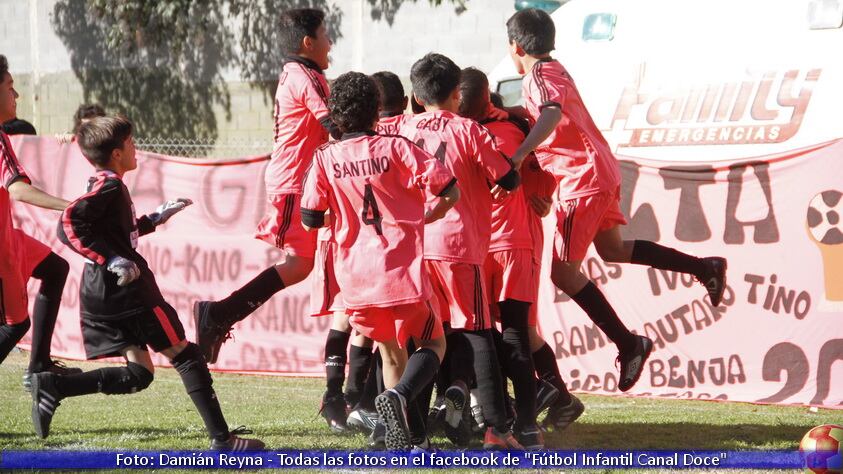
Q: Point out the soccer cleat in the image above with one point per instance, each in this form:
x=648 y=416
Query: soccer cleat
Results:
x=236 y=443
x=561 y=416
x=546 y=395
x=457 y=423
x=421 y=445
x=210 y=336
x=479 y=425
x=392 y=408
x=494 y=439
x=334 y=411
x=531 y=438
x=436 y=415
x=714 y=278
x=632 y=362
x=377 y=438
x=56 y=366
x=362 y=420
x=45 y=400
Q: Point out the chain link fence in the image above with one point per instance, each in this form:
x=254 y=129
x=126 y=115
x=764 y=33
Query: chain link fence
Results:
x=205 y=147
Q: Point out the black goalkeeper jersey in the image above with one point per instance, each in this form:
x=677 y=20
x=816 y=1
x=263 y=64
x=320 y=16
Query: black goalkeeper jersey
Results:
x=100 y=225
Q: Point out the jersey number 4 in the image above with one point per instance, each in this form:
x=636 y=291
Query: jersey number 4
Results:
x=440 y=151
x=370 y=214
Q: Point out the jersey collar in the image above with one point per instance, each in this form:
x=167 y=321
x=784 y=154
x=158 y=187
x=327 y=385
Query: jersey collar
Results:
x=349 y=136
x=107 y=174
x=303 y=61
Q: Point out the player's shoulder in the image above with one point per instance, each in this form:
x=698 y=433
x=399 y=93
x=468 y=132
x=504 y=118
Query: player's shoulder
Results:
x=395 y=140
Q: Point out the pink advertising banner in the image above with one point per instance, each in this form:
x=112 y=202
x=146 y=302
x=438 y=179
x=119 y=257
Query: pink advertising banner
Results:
x=776 y=338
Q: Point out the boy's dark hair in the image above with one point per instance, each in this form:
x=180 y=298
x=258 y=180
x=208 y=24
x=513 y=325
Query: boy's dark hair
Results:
x=354 y=102
x=86 y=111
x=496 y=99
x=4 y=67
x=414 y=104
x=434 y=78
x=391 y=91
x=474 y=94
x=295 y=25
x=533 y=30
x=102 y=135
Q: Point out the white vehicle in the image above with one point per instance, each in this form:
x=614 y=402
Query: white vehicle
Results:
x=702 y=80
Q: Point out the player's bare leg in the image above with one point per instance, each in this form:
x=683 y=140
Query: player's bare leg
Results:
x=710 y=271
x=633 y=350
x=213 y=320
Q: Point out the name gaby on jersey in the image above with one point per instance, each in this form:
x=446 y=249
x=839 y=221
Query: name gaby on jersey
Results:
x=765 y=109
x=366 y=167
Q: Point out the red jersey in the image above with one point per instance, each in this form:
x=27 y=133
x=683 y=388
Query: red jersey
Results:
x=575 y=152
x=391 y=125
x=10 y=172
x=536 y=182
x=373 y=186
x=469 y=151
x=510 y=224
x=300 y=111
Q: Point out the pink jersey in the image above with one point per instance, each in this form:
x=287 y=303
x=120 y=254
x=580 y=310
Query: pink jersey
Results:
x=391 y=125
x=536 y=182
x=300 y=107
x=469 y=151
x=575 y=152
x=372 y=185
x=10 y=172
x=510 y=224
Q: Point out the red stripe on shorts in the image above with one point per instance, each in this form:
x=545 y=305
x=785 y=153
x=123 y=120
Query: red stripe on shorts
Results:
x=165 y=323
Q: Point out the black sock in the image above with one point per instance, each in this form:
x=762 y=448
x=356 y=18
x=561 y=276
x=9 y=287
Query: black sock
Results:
x=417 y=421
x=197 y=380
x=499 y=349
x=490 y=388
x=130 y=378
x=460 y=359
x=592 y=301
x=654 y=255
x=546 y=368
x=518 y=359
x=359 y=361
x=370 y=388
x=52 y=271
x=336 y=345
x=10 y=334
x=420 y=371
x=249 y=297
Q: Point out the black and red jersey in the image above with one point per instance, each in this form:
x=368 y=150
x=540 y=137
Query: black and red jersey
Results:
x=100 y=225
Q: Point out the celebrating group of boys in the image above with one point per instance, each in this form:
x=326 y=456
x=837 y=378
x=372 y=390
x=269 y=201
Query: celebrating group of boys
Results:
x=423 y=233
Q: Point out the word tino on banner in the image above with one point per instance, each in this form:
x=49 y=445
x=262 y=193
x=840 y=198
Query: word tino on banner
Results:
x=294 y=459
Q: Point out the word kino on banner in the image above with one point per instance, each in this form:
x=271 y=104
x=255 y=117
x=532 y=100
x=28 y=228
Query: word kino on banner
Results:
x=293 y=459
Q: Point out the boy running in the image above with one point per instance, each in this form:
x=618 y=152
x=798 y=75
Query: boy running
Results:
x=570 y=146
x=372 y=185
x=121 y=305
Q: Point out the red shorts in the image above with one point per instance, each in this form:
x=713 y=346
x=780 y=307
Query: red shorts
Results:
x=281 y=226
x=25 y=254
x=400 y=323
x=509 y=276
x=579 y=220
x=460 y=294
x=325 y=297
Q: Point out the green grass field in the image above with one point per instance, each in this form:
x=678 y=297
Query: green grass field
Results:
x=283 y=412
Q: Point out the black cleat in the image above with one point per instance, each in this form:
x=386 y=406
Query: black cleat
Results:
x=457 y=423
x=57 y=367
x=45 y=400
x=561 y=416
x=546 y=395
x=530 y=437
x=236 y=443
x=393 y=411
x=377 y=438
x=362 y=420
x=632 y=362
x=334 y=411
x=714 y=278
x=210 y=336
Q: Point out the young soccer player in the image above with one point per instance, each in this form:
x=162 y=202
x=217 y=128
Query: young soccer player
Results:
x=301 y=125
x=455 y=247
x=393 y=103
x=508 y=267
x=372 y=185
x=121 y=305
x=571 y=147
x=22 y=257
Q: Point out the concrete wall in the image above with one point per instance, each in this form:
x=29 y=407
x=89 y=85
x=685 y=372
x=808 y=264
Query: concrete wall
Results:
x=50 y=89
